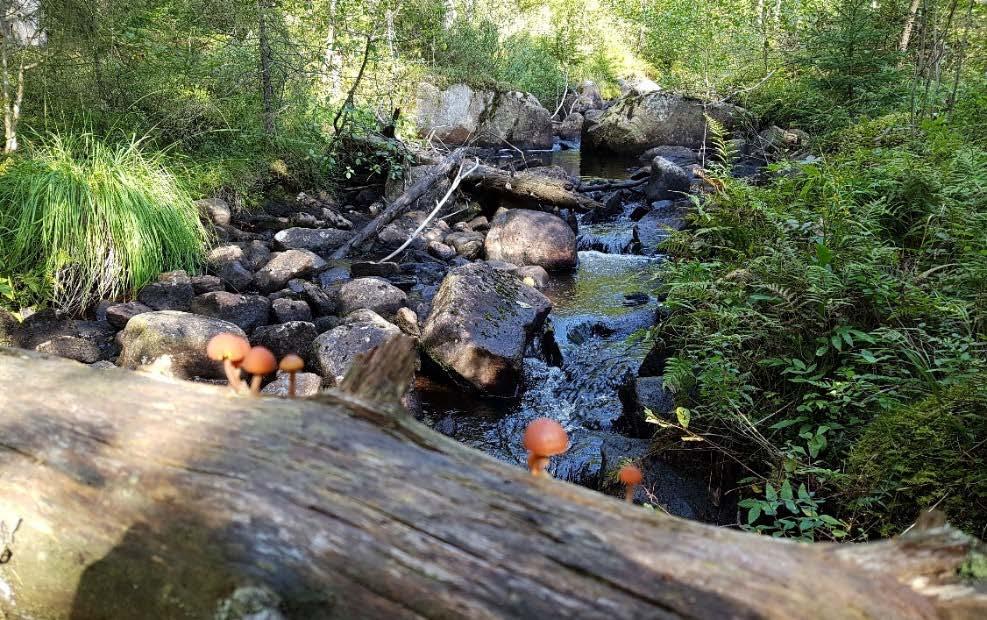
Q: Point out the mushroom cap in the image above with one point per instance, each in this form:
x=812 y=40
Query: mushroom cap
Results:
x=227 y=346
x=291 y=363
x=630 y=475
x=260 y=361
x=545 y=437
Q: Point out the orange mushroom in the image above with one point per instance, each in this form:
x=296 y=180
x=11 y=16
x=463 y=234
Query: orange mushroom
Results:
x=259 y=362
x=544 y=438
x=630 y=476
x=291 y=364
x=229 y=349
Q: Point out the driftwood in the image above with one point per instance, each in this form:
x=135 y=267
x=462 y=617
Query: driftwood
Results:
x=401 y=205
x=530 y=188
x=125 y=496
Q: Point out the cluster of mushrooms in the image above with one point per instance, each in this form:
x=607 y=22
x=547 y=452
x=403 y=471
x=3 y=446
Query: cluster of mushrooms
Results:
x=238 y=356
x=543 y=439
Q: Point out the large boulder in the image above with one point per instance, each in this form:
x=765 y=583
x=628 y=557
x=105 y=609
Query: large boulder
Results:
x=460 y=114
x=637 y=122
x=374 y=294
x=332 y=352
x=481 y=322
x=173 y=343
x=667 y=181
x=318 y=240
x=285 y=266
x=248 y=312
x=525 y=237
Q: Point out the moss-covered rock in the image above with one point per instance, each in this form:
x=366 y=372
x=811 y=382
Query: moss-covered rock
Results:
x=932 y=453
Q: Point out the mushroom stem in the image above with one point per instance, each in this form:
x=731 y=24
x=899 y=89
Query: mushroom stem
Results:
x=255 y=384
x=291 y=384
x=232 y=374
x=629 y=493
x=537 y=464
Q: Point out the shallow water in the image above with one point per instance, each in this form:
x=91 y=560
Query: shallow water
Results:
x=602 y=314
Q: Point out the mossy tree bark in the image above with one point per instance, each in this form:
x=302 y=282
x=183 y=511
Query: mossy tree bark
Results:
x=128 y=496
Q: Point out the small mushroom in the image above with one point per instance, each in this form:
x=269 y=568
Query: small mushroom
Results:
x=630 y=476
x=229 y=349
x=259 y=362
x=291 y=364
x=544 y=438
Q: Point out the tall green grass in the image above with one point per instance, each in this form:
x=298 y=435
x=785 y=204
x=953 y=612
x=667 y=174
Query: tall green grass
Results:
x=82 y=220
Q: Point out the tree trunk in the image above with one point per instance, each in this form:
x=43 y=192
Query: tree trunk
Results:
x=267 y=84
x=906 y=32
x=126 y=496
x=401 y=205
x=529 y=188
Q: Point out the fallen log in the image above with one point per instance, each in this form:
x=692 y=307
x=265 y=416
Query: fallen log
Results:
x=401 y=205
x=530 y=188
x=127 y=496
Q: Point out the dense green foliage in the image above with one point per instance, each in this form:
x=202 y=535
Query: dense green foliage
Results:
x=843 y=292
x=81 y=221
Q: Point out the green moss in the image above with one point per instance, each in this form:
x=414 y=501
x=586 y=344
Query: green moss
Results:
x=933 y=453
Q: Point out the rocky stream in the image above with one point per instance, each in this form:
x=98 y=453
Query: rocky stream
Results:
x=530 y=294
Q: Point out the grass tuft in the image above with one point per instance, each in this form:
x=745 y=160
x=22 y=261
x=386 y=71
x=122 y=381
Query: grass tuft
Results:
x=83 y=220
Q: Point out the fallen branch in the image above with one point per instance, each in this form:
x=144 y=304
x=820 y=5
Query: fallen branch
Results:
x=529 y=188
x=612 y=185
x=401 y=205
x=438 y=207
x=141 y=497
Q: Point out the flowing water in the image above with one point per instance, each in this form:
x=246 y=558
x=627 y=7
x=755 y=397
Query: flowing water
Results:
x=602 y=314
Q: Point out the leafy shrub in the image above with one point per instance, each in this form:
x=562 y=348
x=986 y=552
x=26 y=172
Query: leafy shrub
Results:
x=93 y=220
x=841 y=292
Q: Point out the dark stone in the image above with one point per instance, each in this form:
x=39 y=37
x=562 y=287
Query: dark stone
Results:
x=172 y=291
x=367 y=269
x=206 y=284
x=333 y=351
x=245 y=311
x=119 y=314
x=481 y=323
x=286 y=310
x=291 y=337
x=82 y=341
x=526 y=237
x=318 y=240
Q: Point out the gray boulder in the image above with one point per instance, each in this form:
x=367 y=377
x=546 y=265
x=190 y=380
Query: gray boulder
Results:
x=667 y=181
x=371 y=294
x=460 y=114
x=481 y=322
x=172 y=291
x=318 y=240
x=245 y=311
x=525 y=237
x=284 y=266
x=637 y=122
x=173 y=343
x=679 y=155
x=332 y=352
x=292 y=337
x=214 y=210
